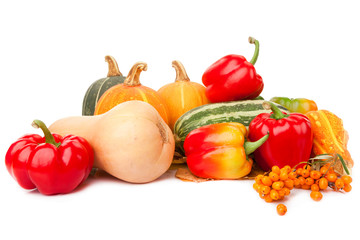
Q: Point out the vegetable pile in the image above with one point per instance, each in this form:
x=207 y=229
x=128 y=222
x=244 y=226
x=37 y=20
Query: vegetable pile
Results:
x=222 y=129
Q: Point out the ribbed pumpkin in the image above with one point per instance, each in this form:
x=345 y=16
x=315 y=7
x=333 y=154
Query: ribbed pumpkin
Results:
x=181 y=95
x=131 y=89
x=97 y=89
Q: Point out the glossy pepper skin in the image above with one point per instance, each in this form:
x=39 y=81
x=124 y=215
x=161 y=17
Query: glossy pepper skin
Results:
x=233 y=78
x=53 y=164
x=299 y=105
x=290 y=138
x=219 y=151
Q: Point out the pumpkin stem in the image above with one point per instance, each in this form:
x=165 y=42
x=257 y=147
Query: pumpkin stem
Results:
x=133 y=78
x=181 y=74
x=256 y=53
x=49 y=138
x=113 y=67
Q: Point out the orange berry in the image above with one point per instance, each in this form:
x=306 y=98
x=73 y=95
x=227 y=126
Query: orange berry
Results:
x=258 y=178
x=286 y=169
x=307 y=167
x=266 y=181
x=289 y=183
x=273 y=176
x=296 y=182
x=316 y=195
x=299 y=171
x=262 y=196
x=339 y=183
x=265 y=190
x=305 y=187
x=281 y=193
x=278 y=185
x=286 y=190
x=274 y=194
x=283 y=176
x=281 y=209
x=309 y=181
x=302 y=180
x=315 y=174
x=275 y=169
x=305 y=173
x=267 y=198
x=292 y=175
x=315 y=188
x=347 y=179
x=323 y=183
x=256 y=186
x=347 y=188
x=331 y=177
x=324 y=169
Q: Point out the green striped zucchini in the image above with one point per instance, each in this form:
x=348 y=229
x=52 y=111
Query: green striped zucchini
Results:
x=237 y=111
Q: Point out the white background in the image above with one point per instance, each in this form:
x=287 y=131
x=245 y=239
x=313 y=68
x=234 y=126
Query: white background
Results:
x=51 y=52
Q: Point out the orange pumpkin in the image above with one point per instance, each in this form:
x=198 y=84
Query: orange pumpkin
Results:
x=181 y=95
x=131 y=89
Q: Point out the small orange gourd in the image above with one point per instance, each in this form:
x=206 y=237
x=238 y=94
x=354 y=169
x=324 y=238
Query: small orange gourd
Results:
x=330 y=136
x=181 y=95
x=130 y=90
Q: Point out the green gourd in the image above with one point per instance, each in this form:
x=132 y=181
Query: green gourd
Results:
x=97 y=89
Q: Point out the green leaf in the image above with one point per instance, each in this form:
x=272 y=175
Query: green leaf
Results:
x=343 y=163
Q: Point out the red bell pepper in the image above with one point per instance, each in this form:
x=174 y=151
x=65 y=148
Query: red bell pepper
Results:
x=53 y=164
x=220 y=151
x=233 y=78
x=290 y=139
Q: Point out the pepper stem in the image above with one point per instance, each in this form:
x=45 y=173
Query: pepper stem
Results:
x=49 y=138
x=133 y=78
x=113 y=67
x=277 y=113
x=256 y=53
x=250 y=147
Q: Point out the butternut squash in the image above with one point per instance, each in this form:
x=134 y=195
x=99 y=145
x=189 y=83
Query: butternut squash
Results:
x=131 y=141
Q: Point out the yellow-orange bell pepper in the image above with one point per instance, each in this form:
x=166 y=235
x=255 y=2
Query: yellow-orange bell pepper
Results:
x=220 y=151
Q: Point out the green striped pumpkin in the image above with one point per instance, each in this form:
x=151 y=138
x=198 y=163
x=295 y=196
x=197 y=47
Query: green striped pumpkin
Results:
x=97 y=89
x=237 y=111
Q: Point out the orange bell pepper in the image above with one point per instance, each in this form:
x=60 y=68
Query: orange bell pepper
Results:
x=220 y=151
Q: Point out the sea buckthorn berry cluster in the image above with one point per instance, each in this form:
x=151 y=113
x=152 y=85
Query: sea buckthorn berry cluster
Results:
x=276 y=184
x=308 y=178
